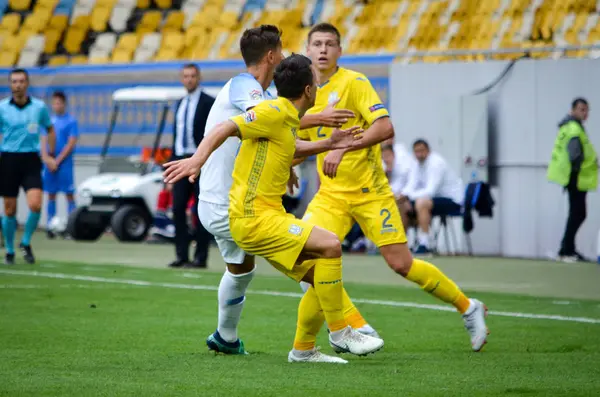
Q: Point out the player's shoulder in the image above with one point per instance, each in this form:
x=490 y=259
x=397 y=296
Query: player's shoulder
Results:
x=38 y=102
x=244 y=82
x=352 y=75
x=4 y=102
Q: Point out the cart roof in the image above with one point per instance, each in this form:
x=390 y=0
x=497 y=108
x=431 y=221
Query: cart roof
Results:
x=156 y=94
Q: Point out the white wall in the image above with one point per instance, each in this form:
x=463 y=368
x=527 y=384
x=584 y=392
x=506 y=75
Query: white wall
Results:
x=526 y=107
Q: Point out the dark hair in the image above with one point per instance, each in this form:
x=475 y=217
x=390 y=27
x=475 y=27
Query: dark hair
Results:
x=257 y=42
x=421 y=142
x=17 y=71
x=191 y=66
x=577 y=101
x=292 y=76
x=60 y=95
x=325 y=28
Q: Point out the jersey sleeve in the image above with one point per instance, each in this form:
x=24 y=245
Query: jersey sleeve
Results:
x=245 y=92
x=74 y=129
x=261 y=122
x=45 y=117
x=367 y=101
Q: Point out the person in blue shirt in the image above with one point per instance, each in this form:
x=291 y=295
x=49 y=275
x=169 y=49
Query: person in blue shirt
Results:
x=61 y=180
x=23 y=149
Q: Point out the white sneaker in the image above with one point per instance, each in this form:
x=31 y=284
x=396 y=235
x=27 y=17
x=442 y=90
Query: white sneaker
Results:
x=315 y=357
x=474 y=320
x=352 y=341
x=369 y=331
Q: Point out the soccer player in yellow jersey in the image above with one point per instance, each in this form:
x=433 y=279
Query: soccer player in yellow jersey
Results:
x=258 y=222
x=354 y=186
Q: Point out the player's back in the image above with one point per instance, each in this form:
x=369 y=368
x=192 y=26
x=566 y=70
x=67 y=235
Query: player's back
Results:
x=360 y=171
x=239 y=94
x=262 y=166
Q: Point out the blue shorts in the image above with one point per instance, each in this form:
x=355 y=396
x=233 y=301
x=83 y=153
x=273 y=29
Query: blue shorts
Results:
x=443 y=206
x=60 y=181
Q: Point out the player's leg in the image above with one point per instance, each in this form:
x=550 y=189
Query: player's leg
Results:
x=333 y=215
x=380 y=219
x=234 y=283
x=10 y=180
x=32 y=184
x=67 y=183
x=310 y=321
x=50 y=184
x=328 y=286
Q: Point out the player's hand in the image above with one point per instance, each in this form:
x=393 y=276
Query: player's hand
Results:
x=51 y=163
x=335 y=118
x=332 y=161
x=179 y=169
x=343 y=139
x=293 y=181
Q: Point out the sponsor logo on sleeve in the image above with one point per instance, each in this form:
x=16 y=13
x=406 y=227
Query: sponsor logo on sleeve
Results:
x=377 y=107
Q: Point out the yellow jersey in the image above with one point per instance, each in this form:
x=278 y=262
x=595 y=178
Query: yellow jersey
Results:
x=361 y=171
x=262 y=167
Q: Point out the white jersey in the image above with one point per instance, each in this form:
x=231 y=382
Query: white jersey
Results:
x=237 y=96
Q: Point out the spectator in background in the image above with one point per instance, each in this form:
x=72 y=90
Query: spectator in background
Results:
x=61 y=180
x=432 y=189
x=574 y=166
x=190 y=121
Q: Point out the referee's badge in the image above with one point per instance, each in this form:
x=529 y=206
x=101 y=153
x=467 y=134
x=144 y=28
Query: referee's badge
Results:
x=33 y=128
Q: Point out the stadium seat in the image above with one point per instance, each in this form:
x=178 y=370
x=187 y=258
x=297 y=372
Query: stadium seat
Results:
x=36 y=21
x=58 y=60
x=119 y=17
x=99 y=60
x=147 y=48
x=10 y=23
x=78 y=60
x=149 y=22
x=30 y=54
x=8 y=58
x=19 y=5
x=173 y=22
x=105 y=42
x=58 y=23
x=143 y=4
x=82 y=8
x=164 y=4
x=74 y=37
x=171 y=46
x=99 y=18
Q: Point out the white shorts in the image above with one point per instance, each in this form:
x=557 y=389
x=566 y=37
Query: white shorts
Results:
x=215 y=219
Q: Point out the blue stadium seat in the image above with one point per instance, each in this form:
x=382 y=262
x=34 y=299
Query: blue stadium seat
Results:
x=3 y=5
x=318 y=10
x=64 y=7
x=254 y=5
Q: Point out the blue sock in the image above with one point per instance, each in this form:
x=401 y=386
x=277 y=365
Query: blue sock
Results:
x=9 y=225
x=51 y=210
x=30 y=226
x=71 y=206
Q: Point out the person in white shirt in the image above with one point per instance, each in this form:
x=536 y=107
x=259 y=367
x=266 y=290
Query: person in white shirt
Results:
x=397 y=162
x=433 y=188
x=262 y=51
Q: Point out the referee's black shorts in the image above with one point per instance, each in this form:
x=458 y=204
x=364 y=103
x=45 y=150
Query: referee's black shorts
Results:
x=19 y=170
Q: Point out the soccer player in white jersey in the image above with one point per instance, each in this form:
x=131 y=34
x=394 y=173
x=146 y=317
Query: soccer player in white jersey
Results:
x=262 y=51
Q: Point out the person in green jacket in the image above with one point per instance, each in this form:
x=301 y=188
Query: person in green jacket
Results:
x=574 y=166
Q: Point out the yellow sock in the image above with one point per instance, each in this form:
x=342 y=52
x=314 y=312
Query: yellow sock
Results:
x=330 y=291
x=351 y=313
x=310 y=320
x=432 y=280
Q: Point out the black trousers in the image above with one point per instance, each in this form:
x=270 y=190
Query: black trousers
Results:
x=577 y=214
x=182 y=190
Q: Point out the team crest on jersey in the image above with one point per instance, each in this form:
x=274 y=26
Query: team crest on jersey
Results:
x=255 y=95
x=32 y=128
x=332 y=98
x=249 y=116
x=295 y=230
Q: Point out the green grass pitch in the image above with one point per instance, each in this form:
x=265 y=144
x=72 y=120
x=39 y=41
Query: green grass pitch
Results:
x=71 y=326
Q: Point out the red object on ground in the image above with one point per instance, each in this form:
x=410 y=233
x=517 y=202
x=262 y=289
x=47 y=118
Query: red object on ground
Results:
x=165 y=200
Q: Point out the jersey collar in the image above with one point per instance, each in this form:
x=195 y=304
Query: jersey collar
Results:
x=332 y=76
x=27 y=102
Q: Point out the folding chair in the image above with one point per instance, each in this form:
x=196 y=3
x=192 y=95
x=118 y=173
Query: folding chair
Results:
x=450 y=233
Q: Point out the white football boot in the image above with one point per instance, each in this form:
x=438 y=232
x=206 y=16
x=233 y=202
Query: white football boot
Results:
x=315 y=356
x=352 y=341
x=474 y=319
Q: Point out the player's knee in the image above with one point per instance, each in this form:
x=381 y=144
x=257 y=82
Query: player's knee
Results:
x=51 y=196
x=423 y=204
x=332 y=248
x=35 y=207
x=10 y=207
x=398 y=258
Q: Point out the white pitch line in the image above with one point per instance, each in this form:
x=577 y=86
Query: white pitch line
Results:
x=290 y=294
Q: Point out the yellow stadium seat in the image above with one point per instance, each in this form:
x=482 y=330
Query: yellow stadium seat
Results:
x=99 y=18
x=73 y=40
x=174 y=22
x=58 y=60
x=143 y=4
x=81 y=22
x=52 y=40
x=11 y=22
x=149 y=22
x=50 y=4
x=121 y=56
x=127 y=42
x=36 y=21
x=99 y=60
x=19 y=5
x=164 y=4
x=8 y=58
x=58 y=22
x=78 y=60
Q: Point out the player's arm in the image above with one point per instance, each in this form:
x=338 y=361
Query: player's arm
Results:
x=49 y=140
x=190 y=167
x=339 y=139
x=70 y=146
x=329 y=117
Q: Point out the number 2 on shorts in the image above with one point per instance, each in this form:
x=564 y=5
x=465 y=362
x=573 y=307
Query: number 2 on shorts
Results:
x=387 y=215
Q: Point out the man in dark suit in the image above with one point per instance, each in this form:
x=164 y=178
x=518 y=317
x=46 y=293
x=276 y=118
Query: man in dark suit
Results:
x=190 y=121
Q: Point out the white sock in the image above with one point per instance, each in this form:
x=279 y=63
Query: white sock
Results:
x=304 y=285
x=423 y=238
x=232 y=295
